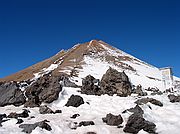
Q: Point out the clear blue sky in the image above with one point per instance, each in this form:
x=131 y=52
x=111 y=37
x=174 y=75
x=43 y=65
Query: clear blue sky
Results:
x=33 y=30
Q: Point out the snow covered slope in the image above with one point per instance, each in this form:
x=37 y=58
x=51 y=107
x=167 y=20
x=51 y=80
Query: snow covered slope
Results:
x=100 y=56
x=166 y=118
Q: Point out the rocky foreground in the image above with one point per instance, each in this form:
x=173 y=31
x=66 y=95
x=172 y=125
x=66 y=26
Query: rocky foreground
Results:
x=54 y=104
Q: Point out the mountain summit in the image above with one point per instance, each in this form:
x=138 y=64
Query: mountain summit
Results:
x=92 y=88
x=94 y=58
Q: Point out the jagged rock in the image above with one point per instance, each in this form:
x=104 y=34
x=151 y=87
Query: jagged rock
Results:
x=174 y=98
x=1 y=118
x=136 y=123
x=136 y=110
x=24 y=114
x=75 y=101
x=151 y=100
x=1 y=121
x=19 y=121
x=74 y=116
x=86 y=123
x=138 y=90
x=90 y=86
x=45 y=110
x=45 y=89
x=155 y=91
x=10 y=94
x=113 y=120
x=114 y=82
x=28 y=128
x=33 y=102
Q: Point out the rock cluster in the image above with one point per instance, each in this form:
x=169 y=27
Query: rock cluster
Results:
x=112 y=82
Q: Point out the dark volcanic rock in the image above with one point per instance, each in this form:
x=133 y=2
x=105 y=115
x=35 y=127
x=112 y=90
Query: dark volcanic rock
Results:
x=174 y=98
x=45 y=89
x=155 y=91
x=114 y=82
x=33 y=102
x=86 y=123
x=75 y=101
x=45 y=110
x=136 y=123
x=19 y=121
x=1 y=121
x=28 y=128
x=10 y=94
x=58 y=111
x=90 y=86
x=138 y=90
x=135 y=110
x=113 y=120
x=74 y=116
x=24 y=114
x=151 y=100
x=1 y=118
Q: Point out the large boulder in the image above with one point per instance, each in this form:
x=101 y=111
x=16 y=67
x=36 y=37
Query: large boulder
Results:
x=151 y=100
x=90 y=86
x=75 y=101
x=10 y=94
x=28 y=128
x=45 y=110
x=1 y=119
x=45 y=89
x=173 y=98
x=114 y=82
x=113 y=120
x=136 y=123
x=136 y=110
